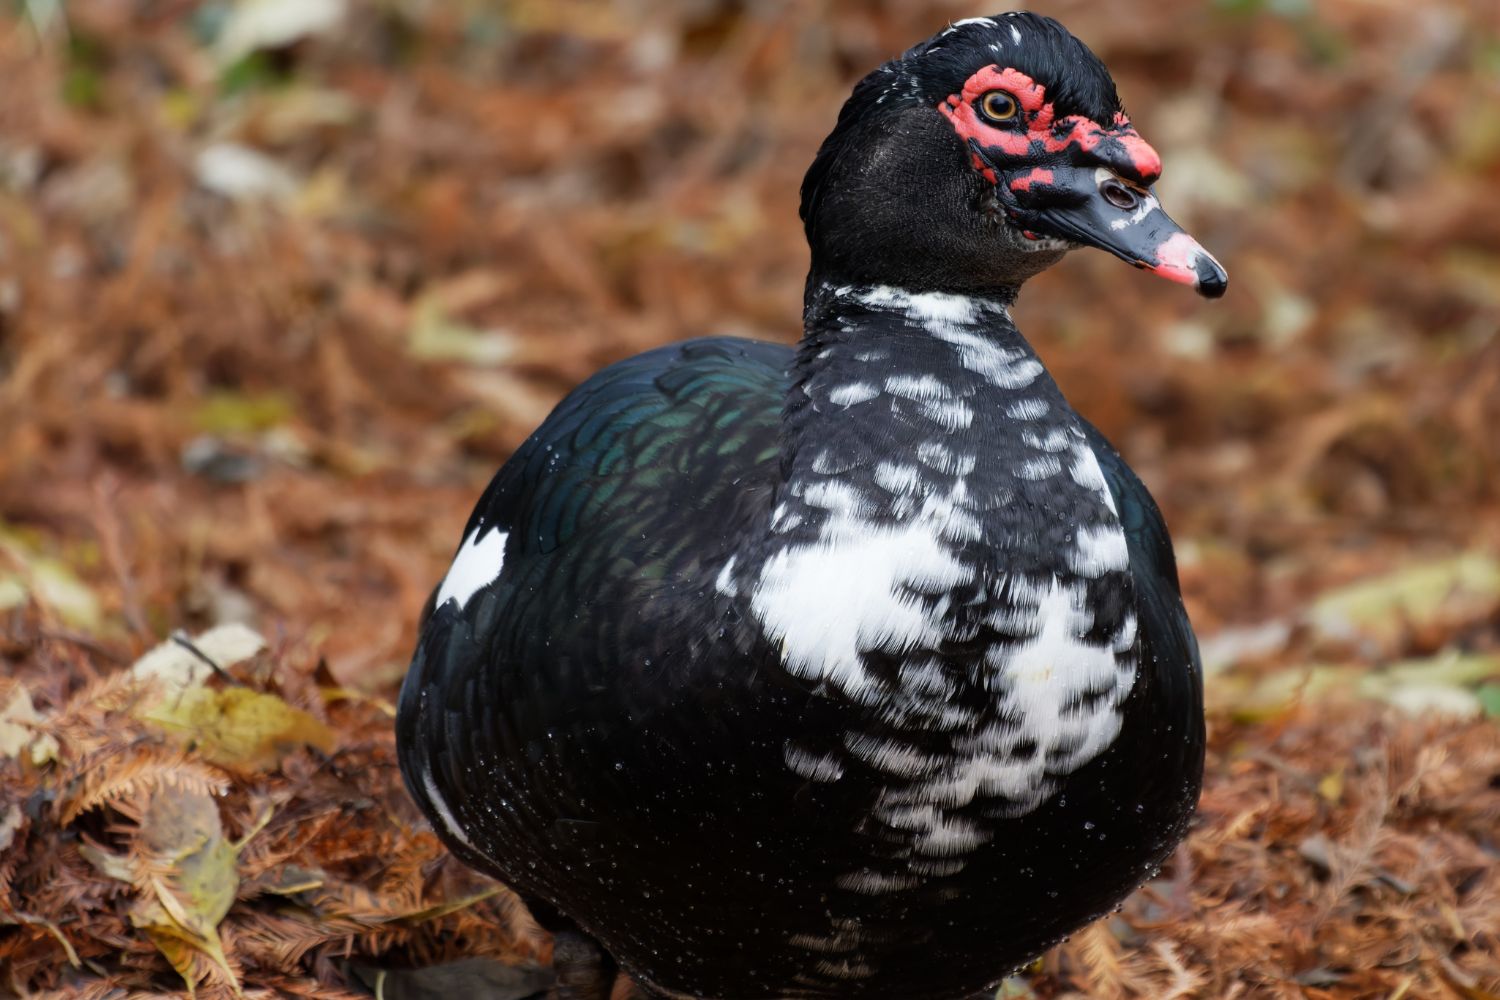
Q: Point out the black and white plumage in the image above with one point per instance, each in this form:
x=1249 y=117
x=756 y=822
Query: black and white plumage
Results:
x=854 y=671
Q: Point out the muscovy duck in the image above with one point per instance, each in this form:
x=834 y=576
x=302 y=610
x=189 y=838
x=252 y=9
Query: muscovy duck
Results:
x=858 y=670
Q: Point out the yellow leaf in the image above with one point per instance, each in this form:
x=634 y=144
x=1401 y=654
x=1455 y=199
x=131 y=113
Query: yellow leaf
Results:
x=29 y=573
x=12 y=592
x=1449 y=668
x=1265 y=696
x=435 y=337
x=232 y=412
x=238 y=727
x=191 y=871
x=1331 y=787
x=1449 y=589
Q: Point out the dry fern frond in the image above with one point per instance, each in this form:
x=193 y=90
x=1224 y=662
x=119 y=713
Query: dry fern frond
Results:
x=403 y=881
x=1184 y=982
x=1351 y=861
x=1099 y=953
x=111 y=692
x=284 y=838
x=14 y=829
x=277 y=940
x=123 y=774
x=98 y=989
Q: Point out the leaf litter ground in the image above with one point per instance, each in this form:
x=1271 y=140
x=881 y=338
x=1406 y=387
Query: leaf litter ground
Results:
x=281 y=283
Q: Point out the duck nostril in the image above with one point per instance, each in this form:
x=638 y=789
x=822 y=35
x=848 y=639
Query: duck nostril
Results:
x=1119 y=195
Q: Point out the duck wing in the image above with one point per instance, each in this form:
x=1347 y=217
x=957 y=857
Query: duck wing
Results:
x=576 y=591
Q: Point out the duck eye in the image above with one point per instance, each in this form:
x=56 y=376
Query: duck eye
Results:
x=998 y=106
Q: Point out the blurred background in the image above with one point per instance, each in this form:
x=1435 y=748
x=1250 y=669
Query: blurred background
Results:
x=283 y=281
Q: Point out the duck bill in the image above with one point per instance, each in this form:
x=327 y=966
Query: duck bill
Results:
x=1099 y=209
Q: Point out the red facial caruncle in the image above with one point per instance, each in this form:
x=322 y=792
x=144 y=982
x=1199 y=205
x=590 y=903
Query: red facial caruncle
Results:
x=1037 y=132
x=1072 y=181
x=1034 y=176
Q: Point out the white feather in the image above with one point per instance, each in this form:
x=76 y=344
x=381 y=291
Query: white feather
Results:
x=950 y=414
x=894 y=477
x=724 y=582
x=917 y=387
x=854 y=392
x=875 y=883
x=1100 y=549
x=1086 y=472
x=828 y=602
x=1040 y=467
x=478 y=562
x=1028 y=409
x=812 y=766
x=450 y=823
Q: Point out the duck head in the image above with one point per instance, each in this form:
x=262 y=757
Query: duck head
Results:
x=979 y=157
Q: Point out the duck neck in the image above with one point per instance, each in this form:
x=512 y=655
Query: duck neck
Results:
x=937 y=494
x=920 y=405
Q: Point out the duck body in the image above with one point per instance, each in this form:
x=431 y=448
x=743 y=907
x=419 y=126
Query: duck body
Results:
x=854 y=670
